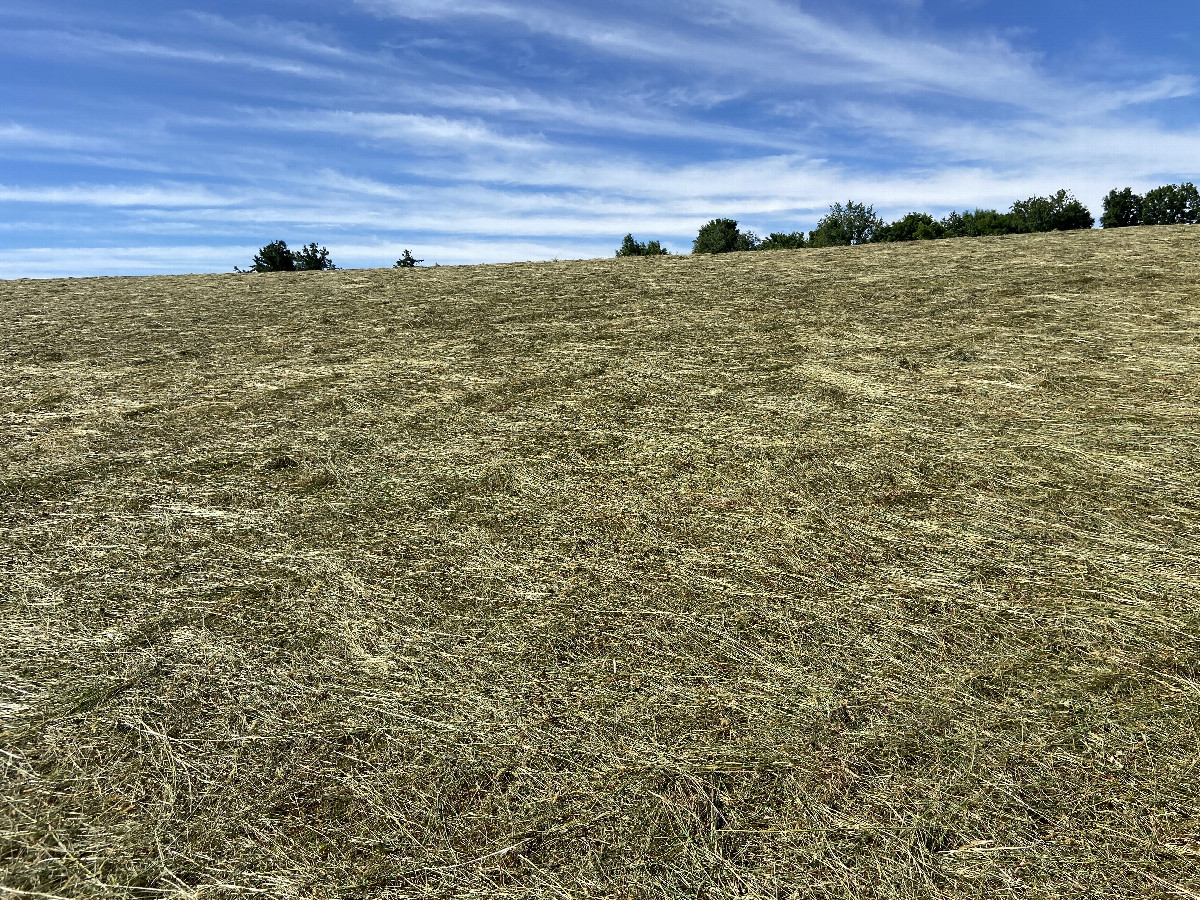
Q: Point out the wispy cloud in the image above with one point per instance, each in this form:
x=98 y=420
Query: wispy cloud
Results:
x=778 y=43
x=97 y=43
x=52 y=262
x=428 y=133
x=628 y=114
x=163 y=196
x=1169 y=87
x=14 y=134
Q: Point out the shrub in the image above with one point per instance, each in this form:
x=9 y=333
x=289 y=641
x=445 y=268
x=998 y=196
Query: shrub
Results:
x=1122 y=208
x=777 y=240
x=275 y=257
x=1058 y=212
x=630 y=247
x=407 y=261
x=722 y=236
x=980 y=223
x=849 y=224
x=312 y=258
x=1172 y=204
x=916 y=226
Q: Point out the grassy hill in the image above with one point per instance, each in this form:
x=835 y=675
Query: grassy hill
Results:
x=867 y=572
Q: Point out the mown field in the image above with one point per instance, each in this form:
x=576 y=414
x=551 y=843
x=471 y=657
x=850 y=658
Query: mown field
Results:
x=865 y=572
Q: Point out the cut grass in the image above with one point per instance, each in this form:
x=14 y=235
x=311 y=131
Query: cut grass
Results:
x=843 y=573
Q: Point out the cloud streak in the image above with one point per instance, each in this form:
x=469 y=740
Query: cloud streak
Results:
x=775 y=41
x=162 y=197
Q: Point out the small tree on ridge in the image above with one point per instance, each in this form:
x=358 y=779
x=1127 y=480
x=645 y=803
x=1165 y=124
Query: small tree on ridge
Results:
x=1172 y=204
x=853 y=223
x=778 y=240
x=722 y=236
x=275 y=257
x=630 y=247
x=916 y=226
x=1122 y=209
x=313 y=258
x=980 y=223
x=1058 y=212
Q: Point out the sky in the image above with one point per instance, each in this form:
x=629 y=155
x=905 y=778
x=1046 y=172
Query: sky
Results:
x=178 y=136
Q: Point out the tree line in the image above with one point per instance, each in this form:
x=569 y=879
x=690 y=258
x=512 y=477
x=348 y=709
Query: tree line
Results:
x=278 y=257
x=857 y=223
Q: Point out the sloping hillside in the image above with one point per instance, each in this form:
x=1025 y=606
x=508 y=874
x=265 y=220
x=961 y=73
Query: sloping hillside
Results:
x=843 y=573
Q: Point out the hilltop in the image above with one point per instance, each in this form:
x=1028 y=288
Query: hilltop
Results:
x=853 y=572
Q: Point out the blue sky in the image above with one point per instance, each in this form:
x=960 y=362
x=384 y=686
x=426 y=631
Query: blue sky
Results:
x=180 y=136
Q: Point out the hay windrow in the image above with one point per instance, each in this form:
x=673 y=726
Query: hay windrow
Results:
x=842 y=573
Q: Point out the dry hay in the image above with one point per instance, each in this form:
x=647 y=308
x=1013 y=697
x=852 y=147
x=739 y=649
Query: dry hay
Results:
x=847 y=573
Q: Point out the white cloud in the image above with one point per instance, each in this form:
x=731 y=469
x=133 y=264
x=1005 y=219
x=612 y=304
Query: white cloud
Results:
x=165 y=196
x=96 y=43
x=571 y=115
x=14 y=134
x=267 y=30
x=431 y=132
x=774 y=42
x=60 y=262
x=1169 y=87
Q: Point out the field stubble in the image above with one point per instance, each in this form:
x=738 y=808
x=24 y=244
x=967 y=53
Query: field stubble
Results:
x=846 y=573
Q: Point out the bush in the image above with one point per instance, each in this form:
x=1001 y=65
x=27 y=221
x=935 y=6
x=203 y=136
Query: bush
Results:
x=1058 y=212
x=845 y=225
x=1122 y=209
x=407 y=261
x=313 y=258
x=722 y=236
x=916 y=226
x=980 y=223
x=275 y=257
x=1172 y=204
x=777 y=240
x=630 y=247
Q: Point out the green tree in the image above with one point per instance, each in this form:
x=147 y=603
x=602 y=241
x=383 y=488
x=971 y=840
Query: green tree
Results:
x=1058 y=212
x=853 y=223
x=1172 y=204
x=722 y=236
x=916 y=226
x=407 y=261
x=777 y=240
x=630 y=247
x=275 y=257
x=980 y=223
x=312 y=258
x=1122 y=209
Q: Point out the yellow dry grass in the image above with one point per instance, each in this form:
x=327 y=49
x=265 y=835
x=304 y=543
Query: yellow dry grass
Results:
x=868 y=572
